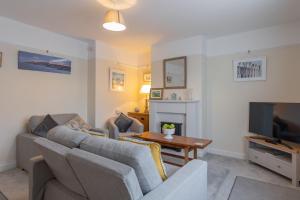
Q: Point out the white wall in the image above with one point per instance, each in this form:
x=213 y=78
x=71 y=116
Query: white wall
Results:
x=25 y=93
x=228 y=101
x=107 y=102
x=210 y=72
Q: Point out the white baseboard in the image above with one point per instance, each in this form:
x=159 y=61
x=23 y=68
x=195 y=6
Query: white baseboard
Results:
x=7 y=166
x=227 y=153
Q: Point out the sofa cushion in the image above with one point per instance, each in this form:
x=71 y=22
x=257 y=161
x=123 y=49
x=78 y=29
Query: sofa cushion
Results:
x=60 y=119
x=103 y=178
x=55 y=157
x=136 y=156
x=66 y=136
x=155 y=151
x=43 y=128
x=123 y=123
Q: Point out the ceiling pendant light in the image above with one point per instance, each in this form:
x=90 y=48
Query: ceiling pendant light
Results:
x=114 y=21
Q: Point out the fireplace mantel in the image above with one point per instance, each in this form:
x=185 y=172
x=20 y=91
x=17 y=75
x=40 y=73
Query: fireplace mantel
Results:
x=174 y=101
x=180 y=111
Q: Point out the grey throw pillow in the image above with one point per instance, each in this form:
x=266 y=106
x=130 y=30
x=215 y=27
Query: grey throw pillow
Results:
x=66 y=136
x=123 y=123
x=43 y=128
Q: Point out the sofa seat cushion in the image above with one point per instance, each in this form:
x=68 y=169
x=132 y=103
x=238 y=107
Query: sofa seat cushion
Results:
x=136 y=156
x=155 y=151
x=66 y=136
x=104 y=178
x=55 y=157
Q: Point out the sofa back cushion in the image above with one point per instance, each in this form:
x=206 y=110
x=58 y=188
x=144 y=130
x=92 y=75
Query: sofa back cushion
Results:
x=60 y=119
x=55 y=157
x=66 y=136
x=136 y=156
x=103 y=178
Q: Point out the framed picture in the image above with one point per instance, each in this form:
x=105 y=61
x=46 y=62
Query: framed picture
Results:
x=43 y=63
x=175 y=70
x=156 y=93
x=1 y=59
x=147 y=77
x=250 y=69
x=117 y=80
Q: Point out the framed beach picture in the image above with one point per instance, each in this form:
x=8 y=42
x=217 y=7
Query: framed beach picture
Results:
x=147 y=77
x=250 y=69
x=156 y=93
x=43 y=63
x=117 y=80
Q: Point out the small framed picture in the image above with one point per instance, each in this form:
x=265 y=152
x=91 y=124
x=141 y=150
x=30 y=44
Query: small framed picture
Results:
x=117 y=80
x=147 y=77
x=1 y=59
x=250 y=69
x=156 y=93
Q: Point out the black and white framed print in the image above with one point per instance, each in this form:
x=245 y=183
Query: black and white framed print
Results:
x=250 y=69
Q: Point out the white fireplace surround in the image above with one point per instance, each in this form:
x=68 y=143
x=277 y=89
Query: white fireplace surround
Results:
x=185 y=112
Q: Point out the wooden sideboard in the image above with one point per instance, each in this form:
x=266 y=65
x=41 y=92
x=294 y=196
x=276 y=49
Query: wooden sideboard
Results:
x=142 y=117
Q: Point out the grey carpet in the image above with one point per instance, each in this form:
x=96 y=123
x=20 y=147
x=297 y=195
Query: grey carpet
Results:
x=249 y=189
x=216 y=175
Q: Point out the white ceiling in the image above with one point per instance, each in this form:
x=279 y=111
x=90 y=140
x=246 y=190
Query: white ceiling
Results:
x=152 y=21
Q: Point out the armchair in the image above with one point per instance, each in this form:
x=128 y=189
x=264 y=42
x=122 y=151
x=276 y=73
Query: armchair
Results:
x=114 y=133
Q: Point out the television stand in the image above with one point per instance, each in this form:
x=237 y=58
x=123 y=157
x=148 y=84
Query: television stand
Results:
x=279 y=157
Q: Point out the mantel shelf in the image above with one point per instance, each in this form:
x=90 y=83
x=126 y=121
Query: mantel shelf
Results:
x=174 y=101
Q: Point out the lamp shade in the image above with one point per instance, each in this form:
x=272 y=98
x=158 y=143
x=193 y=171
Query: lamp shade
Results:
x=145 y=89
x=114 y=21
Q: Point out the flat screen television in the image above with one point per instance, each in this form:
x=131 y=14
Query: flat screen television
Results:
x=279 y=121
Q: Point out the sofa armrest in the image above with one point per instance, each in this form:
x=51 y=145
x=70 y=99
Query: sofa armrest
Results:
x=39 y=175
x=189 y=183
x=112 y=128
x=137 y=126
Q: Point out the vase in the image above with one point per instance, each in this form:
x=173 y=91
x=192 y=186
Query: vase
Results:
x=169 y=133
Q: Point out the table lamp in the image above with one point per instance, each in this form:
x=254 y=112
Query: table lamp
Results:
x=145 y=89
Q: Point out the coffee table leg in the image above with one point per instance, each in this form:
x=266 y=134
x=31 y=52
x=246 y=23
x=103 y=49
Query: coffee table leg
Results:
x=186 y=155
x=195 y=153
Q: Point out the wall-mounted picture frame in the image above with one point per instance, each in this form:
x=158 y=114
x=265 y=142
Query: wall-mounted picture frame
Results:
x=1 y=59
x=147 y=77
x=156 y=93
x=250 y=69
x=43 y=63
x=175 y=73
x=117 y=80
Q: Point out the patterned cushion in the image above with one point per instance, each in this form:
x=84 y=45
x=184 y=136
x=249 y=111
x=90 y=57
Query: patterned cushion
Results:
x=77 y=123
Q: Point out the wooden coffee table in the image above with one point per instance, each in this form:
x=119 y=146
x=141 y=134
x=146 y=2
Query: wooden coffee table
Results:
x=188 y=144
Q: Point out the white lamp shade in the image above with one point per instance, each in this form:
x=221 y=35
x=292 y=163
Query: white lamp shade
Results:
x=114 y=21
x=145 y=89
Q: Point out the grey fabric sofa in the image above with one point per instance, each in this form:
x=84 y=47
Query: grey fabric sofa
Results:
x=25 y=148
x=114 y=133
x=77 y=174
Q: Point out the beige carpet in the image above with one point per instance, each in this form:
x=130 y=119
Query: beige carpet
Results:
x=14 y=184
